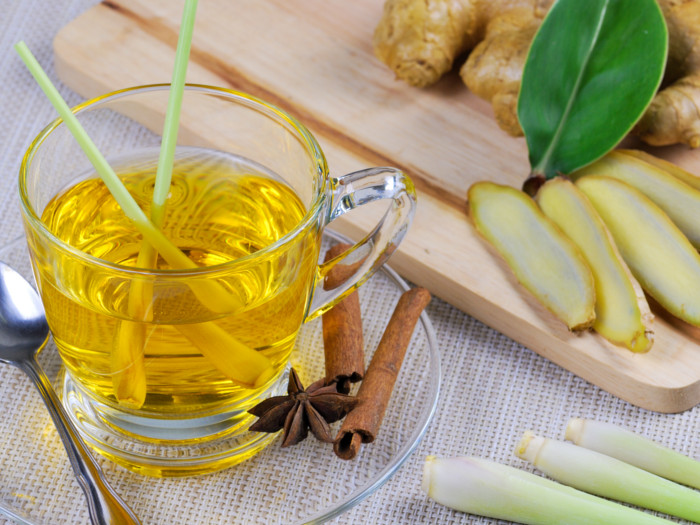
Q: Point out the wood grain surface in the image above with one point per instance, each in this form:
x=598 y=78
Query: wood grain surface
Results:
x=314 y=59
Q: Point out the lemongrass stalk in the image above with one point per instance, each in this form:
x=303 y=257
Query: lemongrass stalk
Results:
x=127 y=357
x=489 y=489
x=249 y=369
x=147 y=254
x=127 y=363
x=172 y=114
x=605 y=476
x=128 y=350
x=634 y=449
x=204 y=289
x=552 y=485
x=171 y=127
x=209 y=292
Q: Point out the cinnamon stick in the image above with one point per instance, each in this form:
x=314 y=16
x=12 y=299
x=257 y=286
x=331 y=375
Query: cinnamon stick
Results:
x=362 y=424
x=342 y=329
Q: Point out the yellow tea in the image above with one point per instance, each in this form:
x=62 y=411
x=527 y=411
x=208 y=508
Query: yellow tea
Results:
x=220 y=209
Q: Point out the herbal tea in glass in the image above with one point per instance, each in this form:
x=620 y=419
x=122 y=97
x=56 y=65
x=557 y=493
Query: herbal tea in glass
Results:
x=220 y=209
x=166 y=349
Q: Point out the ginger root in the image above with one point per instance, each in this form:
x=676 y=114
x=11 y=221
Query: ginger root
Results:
x=674 y=114
x=421 y=40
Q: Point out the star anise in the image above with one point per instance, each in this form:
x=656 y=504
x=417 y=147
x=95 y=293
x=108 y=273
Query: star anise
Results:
x=313 y=408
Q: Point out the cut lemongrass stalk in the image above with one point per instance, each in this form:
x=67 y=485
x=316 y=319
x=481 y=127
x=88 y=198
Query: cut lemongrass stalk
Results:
x=127 y=364
x=634 y=449
x=489 y=489
x=249 y=369
x=209 y=292
x=605 y=476
x=128 y=373
x=128 y=350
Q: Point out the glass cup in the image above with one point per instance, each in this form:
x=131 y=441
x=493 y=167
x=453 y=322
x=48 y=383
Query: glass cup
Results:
x=162 y=360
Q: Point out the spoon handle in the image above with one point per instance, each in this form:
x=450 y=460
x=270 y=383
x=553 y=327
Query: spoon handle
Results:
x=106 y=507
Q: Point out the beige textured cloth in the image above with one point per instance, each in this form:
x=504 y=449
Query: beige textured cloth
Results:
x=492 y=389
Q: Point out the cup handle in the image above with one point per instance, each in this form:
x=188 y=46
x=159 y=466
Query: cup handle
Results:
x=367 y=256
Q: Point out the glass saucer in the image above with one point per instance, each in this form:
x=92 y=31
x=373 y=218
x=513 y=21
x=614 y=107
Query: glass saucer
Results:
x=306 y=483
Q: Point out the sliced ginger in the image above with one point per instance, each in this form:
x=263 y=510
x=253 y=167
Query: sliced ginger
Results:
x=680 y=201
x=668 y=167
x=420 y=40
x=542 y=258
x=622 y=312
x=661 y=258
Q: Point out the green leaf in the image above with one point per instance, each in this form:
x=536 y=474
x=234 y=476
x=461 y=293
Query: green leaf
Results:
x=591 y=71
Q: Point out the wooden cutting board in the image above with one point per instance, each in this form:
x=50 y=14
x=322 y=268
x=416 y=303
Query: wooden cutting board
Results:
x=314 y=59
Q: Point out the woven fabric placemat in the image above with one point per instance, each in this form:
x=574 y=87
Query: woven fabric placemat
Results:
x=493 y=389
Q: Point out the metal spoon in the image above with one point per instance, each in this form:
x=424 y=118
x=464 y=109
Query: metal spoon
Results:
x=23 y=332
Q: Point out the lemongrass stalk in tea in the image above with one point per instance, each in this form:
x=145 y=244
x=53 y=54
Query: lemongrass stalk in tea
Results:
x=128 y=373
